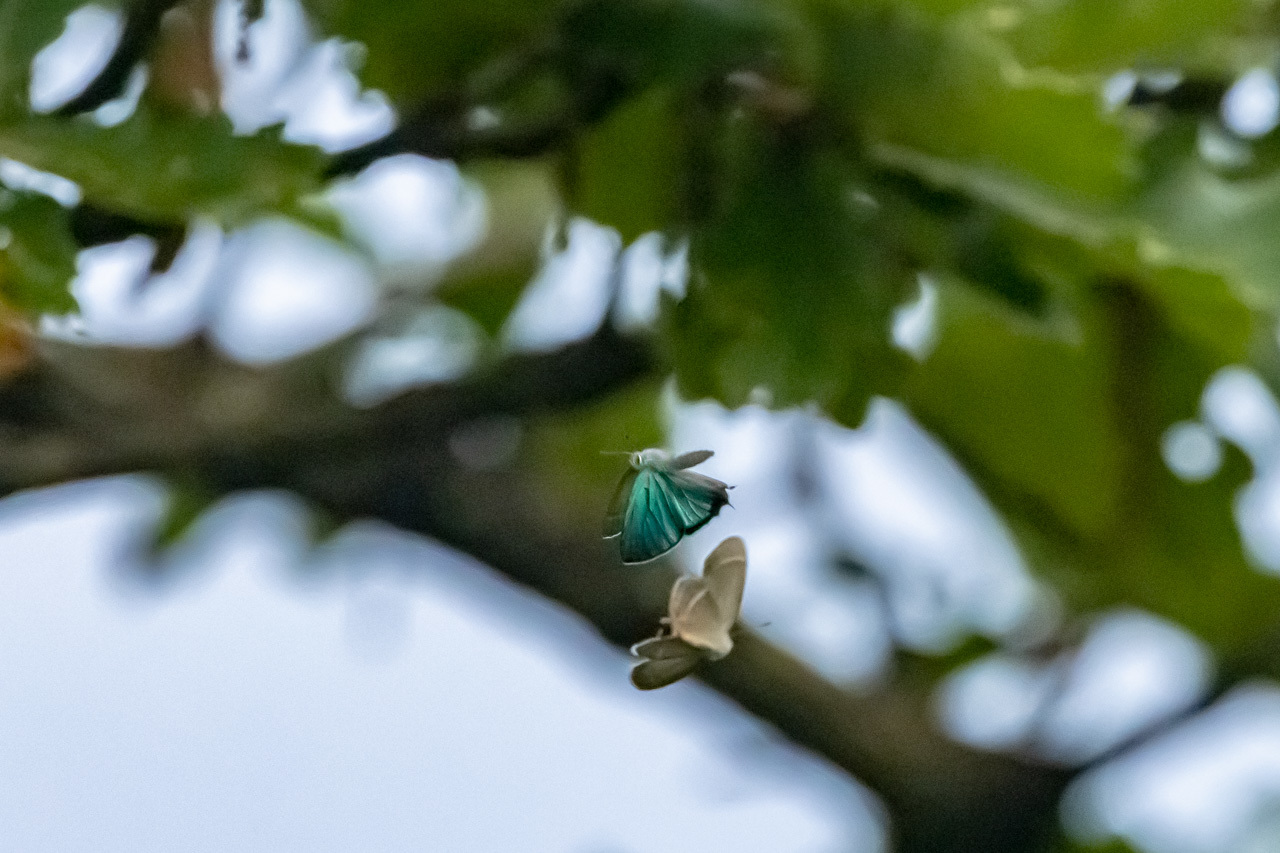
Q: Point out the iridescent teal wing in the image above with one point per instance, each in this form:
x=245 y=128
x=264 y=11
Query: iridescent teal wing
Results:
x=651 y=525
x=665 y=505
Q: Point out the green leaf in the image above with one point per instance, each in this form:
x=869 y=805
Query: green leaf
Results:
x=564 y=449
x=628 y=167
x=679 y=44
x=186 y=501
x=161 y=166
x=1025 y=398
x=1101 y=36
x=420 y=50
x=1061 y=420
x=790 y=293
x=37 y=254
x=903 y=81
x=26 y=26
x=1220 y=223
x=1095 y=37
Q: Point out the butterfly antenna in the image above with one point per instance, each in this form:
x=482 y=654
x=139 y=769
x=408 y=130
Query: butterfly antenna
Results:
x=615 y=453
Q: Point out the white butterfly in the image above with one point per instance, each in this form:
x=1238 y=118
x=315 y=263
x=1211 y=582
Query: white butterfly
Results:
x=700 y=613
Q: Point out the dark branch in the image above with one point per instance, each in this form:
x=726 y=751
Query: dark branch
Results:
x=1199 y=95
x=94 y=226
x=447 y=128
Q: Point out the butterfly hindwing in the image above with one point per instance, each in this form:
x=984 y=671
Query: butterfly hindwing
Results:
x=699 y=498
x=649 y=528
x=664 y=660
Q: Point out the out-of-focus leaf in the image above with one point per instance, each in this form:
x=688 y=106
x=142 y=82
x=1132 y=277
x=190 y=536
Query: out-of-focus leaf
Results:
x=565 y=449
x=1103 y=36
x=486 y=296
x=790 y=292
x=25 y=27
x=679 y=44
x=17 y=343
x=1203 y=306
x=901 y=80
x=1026 y=398
x=1061 y=423
x=1110 y=846
x=163 y=167
x=419 y=50
x=37 y=254
x=628 y=167
x=1220 y=223
x=186 y=501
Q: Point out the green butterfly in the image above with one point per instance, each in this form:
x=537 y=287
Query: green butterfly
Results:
x=659 y=501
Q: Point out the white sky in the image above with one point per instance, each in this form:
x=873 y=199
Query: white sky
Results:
x=404 y=699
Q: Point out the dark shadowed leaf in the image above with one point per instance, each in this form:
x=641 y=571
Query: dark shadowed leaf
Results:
x=37 y=254
x=790 y=294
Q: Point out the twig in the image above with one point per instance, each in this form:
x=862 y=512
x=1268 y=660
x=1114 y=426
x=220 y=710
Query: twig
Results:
x=141 y=29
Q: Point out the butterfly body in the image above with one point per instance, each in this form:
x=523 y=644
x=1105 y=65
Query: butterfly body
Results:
x=659 y=501
x=700 y=614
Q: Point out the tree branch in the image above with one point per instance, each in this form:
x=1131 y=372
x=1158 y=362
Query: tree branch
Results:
x=86 y=412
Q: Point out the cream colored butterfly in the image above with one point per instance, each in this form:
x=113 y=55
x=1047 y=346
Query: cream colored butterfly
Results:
x=700 y=613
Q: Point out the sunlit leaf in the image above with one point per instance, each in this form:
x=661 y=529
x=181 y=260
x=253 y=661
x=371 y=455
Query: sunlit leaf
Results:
x=902 y=80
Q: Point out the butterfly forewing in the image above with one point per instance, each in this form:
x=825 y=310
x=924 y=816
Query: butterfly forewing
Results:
x=725 y=573
x=688 y=460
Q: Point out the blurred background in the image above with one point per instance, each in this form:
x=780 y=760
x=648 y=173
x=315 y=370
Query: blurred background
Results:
x=316 y=315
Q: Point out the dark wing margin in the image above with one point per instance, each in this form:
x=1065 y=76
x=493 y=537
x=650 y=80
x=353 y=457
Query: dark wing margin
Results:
x=698 y=498
x=616 y=513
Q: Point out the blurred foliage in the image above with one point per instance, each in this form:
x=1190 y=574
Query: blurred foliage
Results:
x=162 y=166
x=1094 y=263
x=37 y=254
